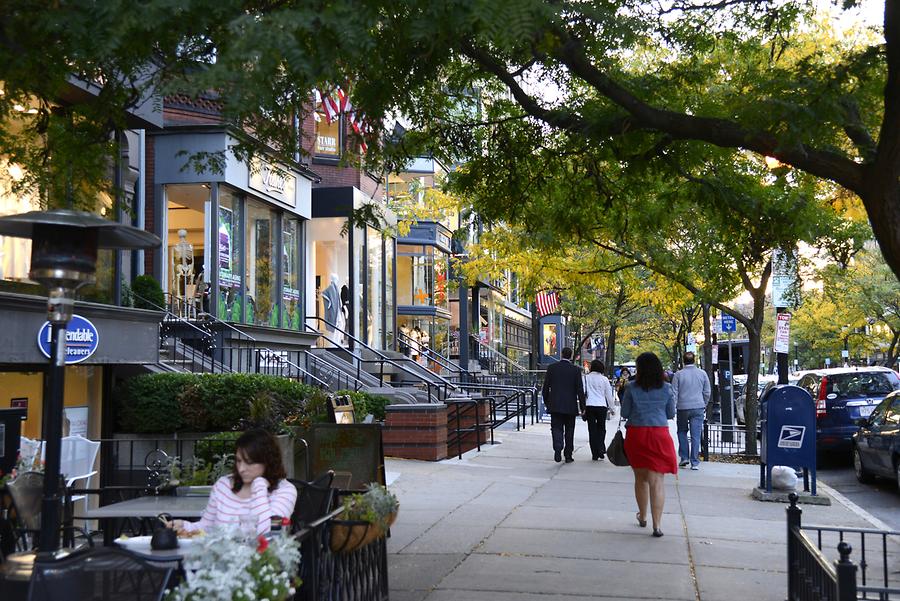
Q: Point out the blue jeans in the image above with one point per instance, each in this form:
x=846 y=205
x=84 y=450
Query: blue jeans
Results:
x=689 y=419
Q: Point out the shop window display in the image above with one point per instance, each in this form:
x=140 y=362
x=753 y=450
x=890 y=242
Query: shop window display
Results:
x=375 y=250
x=290 y=289
x=229 y=257
x=331 y=262
x=389 y=293
x=261 y=289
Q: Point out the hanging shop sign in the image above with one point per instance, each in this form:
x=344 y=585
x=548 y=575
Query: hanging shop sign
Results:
x=82 y=339
x=273 y=181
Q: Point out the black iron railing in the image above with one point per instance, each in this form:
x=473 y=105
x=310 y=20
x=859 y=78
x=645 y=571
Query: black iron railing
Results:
x=812 y=576
x=465 y=426
x=357 y=575
x=724 y=439
x=454 y=372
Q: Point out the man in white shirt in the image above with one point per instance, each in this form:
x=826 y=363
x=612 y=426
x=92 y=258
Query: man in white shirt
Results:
x=692 y=390
x=599 y=401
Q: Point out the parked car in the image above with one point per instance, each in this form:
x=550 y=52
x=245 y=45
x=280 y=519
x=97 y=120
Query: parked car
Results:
x=876 y=446
x=844 y=395
x=740 y=391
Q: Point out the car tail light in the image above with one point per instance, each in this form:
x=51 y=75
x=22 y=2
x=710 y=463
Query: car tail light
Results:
x=820 y=400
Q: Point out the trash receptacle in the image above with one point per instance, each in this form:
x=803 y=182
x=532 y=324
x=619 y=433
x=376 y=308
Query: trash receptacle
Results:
x=788 y=427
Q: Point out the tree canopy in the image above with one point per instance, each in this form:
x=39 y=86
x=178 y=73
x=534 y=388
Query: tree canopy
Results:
x=631 y=84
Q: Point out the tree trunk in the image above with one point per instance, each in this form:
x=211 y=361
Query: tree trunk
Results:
x=882 y=202
x=891 y=358
x=611 y=348
x=707 y=361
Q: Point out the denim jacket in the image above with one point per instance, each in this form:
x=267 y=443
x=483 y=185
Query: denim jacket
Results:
x=652 y=407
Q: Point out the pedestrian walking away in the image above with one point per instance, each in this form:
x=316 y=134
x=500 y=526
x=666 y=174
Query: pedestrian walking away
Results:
x=691 y=388
x=564 y=398
x=647 y=405
x=600 y=402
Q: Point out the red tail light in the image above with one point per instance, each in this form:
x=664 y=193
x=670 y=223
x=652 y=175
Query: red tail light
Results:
x=820 y=400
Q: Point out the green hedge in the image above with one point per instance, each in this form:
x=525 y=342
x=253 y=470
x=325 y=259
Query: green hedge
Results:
x=365 y=403
x=166 y=403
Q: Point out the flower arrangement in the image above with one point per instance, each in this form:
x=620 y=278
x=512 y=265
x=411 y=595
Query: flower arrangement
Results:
x=366 y=518
x=223 y=566
x=377 y=506
x=197 y=471
x=23 y=464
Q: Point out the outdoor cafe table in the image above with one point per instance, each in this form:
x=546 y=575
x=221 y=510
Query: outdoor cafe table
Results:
x=147 y=507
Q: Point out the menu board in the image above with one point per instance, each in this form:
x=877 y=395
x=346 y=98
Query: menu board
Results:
x=353 y=451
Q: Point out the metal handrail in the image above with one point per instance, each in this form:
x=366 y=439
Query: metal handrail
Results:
x=385 y=359
x=283 y=361
x=433 y=355
x=212 y=318
x=357 y=383
x=496 y=354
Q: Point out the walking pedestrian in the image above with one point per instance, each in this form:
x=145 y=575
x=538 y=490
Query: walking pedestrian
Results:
x=648 y=404
x=564 y=398
x=692 y=390
x=624 y=378
x=599 y=402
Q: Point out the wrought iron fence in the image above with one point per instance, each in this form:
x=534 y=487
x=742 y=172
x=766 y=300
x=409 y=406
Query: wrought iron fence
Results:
x=724 y=439
x=813 y=576
x=357 y=575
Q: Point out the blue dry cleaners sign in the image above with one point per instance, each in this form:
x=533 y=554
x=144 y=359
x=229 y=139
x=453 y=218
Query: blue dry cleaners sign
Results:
x=82 y=339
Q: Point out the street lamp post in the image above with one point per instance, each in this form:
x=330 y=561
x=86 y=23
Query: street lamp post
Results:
x=64 y=246
x=796 y=357
x=846 y=354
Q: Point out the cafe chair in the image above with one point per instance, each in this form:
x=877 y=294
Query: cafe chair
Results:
x=106 y=573
x=26 y=492
x=30 y=450
x=314 y=499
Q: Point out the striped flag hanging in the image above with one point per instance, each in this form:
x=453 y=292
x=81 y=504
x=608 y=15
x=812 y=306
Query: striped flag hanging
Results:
x=547 y=302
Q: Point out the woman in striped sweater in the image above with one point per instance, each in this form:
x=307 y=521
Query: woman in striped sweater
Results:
x=255 y=491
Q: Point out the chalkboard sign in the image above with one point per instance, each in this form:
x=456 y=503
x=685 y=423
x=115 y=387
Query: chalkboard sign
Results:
x=11 y=424
x=353 y=451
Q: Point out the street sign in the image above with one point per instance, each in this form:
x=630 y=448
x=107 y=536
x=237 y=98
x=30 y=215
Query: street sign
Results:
x=784 y=277
x=845 y=353
x=729 y=323
x=82 y=339
x=782 y=332
x=827 y=361
x=715 y=353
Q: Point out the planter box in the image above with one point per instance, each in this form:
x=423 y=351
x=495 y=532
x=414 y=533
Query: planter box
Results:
x=354 y=451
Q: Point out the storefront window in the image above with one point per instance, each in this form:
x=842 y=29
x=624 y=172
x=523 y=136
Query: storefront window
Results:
x=375 y=325
x=389 y=292
x=328 y=133
x=262 y=295
x=415 y=275
x=331 y=265
x=550 y=342
x=419 y=335
x=441 y=296
x=186 y=248
x=290 y=289
x=229 y=256
x=359 y=251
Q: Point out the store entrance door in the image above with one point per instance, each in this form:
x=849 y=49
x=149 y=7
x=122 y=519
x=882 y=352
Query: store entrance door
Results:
x=187 y=218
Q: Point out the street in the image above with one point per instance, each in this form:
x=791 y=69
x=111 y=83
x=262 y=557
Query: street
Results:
x=881 y=499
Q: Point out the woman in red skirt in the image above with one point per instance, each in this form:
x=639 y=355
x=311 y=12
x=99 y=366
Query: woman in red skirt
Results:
x=648 y=404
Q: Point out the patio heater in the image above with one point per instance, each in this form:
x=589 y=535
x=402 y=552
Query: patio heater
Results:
x=64 y=246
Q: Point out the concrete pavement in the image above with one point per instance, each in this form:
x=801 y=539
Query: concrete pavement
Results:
x=508 y=523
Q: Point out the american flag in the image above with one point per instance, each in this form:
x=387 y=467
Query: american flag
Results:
x=335 y=107
x=547 y=302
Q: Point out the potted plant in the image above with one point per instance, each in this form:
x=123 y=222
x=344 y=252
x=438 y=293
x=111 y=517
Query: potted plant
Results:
x=366 y=518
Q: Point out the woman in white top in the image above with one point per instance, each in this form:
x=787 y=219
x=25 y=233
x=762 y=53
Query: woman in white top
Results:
x=600 y=400
x=255 y=491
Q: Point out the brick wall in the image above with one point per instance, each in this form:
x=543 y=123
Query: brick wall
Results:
x=416 y=431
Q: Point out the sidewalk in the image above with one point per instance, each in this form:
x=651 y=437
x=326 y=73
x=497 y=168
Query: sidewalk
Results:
x=509 y=523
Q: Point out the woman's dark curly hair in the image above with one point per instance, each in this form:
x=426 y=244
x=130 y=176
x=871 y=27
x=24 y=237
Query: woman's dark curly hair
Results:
x=258 y=446
x=597 y=366
x=649 y=371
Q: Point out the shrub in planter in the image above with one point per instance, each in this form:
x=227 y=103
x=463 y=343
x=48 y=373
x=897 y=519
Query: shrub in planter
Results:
x=365 y=403
x=366 y=517
x=147 y=293
x=166 y=403
x=218 y=444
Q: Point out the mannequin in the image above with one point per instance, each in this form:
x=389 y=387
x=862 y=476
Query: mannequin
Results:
x=424 y=346
x=183 y=285
x=331 y=298
x=404 y=340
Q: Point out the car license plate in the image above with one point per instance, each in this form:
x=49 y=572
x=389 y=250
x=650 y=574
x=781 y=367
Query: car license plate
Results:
x=866 y=410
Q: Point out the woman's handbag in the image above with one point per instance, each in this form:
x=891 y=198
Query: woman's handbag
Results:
x=615 y=452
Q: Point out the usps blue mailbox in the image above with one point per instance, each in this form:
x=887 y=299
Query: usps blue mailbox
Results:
x=788 y=426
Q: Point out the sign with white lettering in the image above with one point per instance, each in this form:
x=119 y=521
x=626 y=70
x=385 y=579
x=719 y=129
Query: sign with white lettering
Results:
x=273 y=181
x=782 y=333
x=82 y=339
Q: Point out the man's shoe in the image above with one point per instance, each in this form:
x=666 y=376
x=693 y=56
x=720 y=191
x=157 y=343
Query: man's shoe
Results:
x=684 y=463
x=695 y=468
x=557 y=456
x=595 y=457
x=569 y=460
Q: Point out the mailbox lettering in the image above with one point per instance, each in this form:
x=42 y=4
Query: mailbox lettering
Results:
x=791 y=437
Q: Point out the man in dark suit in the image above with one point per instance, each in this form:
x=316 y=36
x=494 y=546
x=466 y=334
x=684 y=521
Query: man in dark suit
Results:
x=564 y=399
